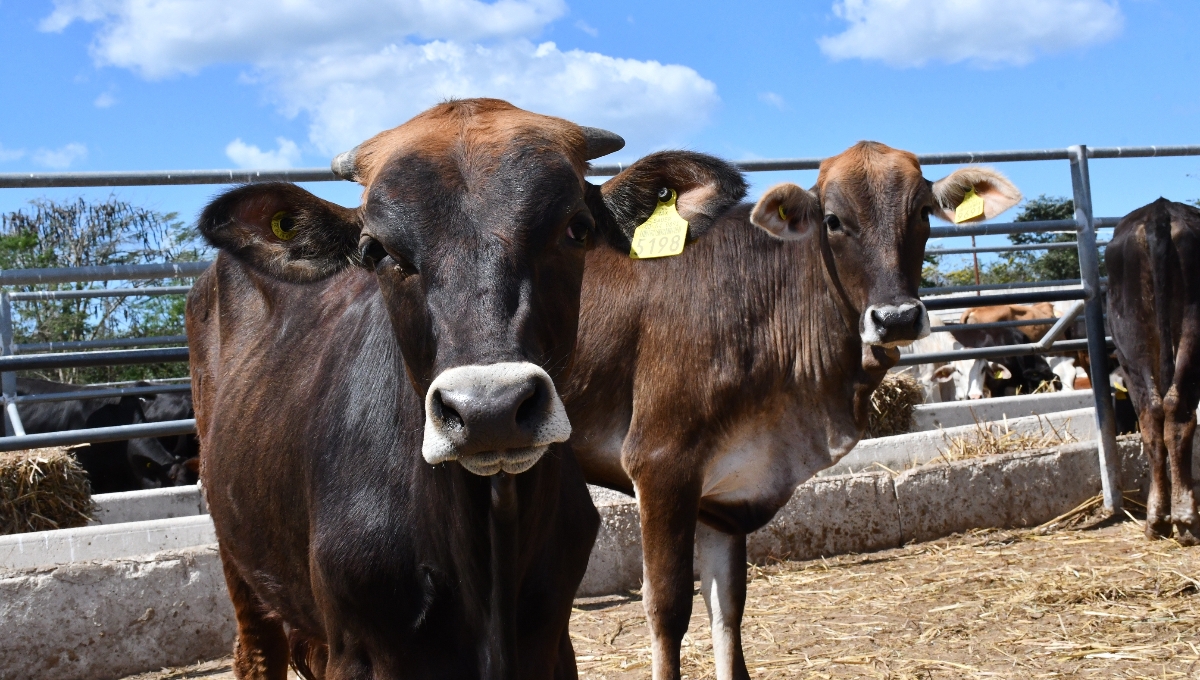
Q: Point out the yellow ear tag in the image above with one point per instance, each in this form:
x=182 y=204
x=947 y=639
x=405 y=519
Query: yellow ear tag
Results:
x=277 y=226
x=782 y=214
x=970 y=208
x=662 y=234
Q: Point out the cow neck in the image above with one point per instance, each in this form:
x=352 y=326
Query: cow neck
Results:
x=826 y=346
x=501 y=640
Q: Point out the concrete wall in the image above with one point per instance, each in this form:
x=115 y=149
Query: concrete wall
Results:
x=956 y=413
x=903 y=451
x=138 y=506
x=94 y=620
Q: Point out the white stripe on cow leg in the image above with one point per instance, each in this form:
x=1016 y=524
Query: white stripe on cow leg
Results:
x=723 y=583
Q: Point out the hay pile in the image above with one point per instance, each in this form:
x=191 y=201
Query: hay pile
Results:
x=892 y=406
x=42 y=489
x=991 y=439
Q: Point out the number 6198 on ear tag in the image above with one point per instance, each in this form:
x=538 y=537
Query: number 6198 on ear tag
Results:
x=662 y=234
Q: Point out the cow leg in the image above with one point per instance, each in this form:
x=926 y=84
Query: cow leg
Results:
x=261 y=649
x=668 y=516
x=723 y=584
x=1179 y=426
x=1150 y=419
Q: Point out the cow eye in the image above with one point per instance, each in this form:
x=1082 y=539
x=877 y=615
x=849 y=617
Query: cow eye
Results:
x=370 y=252
x=832 y=223
x=578 y=230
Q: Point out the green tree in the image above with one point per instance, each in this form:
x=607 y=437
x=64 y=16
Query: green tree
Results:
x=1045 y=265
x=78 y=234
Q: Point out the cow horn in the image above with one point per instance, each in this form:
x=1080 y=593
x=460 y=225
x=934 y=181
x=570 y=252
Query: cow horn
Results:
x=343 y=165
x=601 y=142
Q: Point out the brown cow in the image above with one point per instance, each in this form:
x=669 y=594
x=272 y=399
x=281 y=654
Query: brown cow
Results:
x=1154 y=313
x=1035 y=332
x=1066 y=367
x=713 y=383
x=320 y=386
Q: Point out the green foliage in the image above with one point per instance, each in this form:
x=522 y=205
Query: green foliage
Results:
x=79 y=234
x=1024 y=265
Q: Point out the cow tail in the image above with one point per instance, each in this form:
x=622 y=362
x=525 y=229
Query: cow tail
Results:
x=1158 y=242
x=304 y=652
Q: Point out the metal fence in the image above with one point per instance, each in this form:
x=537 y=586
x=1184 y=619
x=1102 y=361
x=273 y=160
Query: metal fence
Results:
x=1088 y=289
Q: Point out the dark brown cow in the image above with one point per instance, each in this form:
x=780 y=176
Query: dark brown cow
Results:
x=320 y=386
x=715 y=382
x=1154 y=313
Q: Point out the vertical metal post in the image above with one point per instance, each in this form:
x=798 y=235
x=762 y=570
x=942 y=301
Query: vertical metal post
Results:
x=1089 y=271
x=8 y=381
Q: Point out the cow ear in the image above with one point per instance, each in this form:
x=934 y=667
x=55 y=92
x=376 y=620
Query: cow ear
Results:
x=705 y=187
x=1000 y=371
x=786 y=211
x=997 y=192
x=283 y=231
x=944 y=373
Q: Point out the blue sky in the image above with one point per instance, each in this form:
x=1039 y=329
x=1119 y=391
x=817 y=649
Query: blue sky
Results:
x=124 y=85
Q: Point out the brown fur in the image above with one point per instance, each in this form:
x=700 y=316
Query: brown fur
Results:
x=743 y=334
x=310 y=377
x=1154 y=313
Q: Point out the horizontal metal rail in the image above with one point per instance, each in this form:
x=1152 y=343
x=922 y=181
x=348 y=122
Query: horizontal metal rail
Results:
x=965 y=301
x=993 y=228
x=96 y=435
x=1002 y=351
x=937 y=290
x=18 y=180
x=30 y=180
x=114 y=392
x=951 y=327
x=114 y=272
x=1064 y=245
x=134 y=383
x=100 y=344
x=116 y=357
x=97 y=293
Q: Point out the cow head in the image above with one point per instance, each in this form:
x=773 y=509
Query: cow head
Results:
x=475 y=220
x=869 y=213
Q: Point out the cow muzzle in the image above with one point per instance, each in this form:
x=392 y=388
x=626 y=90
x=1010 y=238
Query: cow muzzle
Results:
x=493 y=418
x=894 y=325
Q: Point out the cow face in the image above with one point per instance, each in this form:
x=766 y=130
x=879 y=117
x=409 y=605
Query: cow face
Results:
x=475 y=220
x=869 y=215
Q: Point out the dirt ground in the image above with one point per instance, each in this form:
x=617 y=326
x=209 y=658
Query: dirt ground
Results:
x=1099 y=603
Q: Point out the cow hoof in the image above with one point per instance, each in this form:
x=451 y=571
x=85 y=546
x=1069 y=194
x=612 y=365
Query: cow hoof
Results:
x=1189 y=534
x=1158 y=528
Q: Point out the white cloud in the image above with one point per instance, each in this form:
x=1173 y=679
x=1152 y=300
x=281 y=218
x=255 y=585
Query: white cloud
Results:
x=906 y=33
x=165 y=37
x=105 y=100
x=10 y=154
x=244 y=155
x=773 y=99
x=62 y=157
x=350 y=99
x=587 y=28
x=357 y=67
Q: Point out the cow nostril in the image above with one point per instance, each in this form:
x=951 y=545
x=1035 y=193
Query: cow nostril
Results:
x=445 y=413
x=532 y=405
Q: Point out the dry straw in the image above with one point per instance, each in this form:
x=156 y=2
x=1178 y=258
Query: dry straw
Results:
x=42 y=489
x=991 y=439
x=892 y=406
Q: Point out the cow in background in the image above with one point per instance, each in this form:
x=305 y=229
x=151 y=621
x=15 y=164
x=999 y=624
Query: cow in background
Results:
x=1154 y=314
x=143 y=463
x=944 y=380
x=1007 y=376
x=1066 y=368
x=713 y=383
